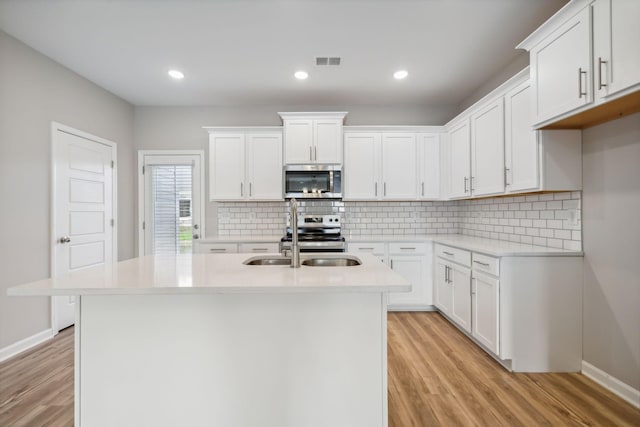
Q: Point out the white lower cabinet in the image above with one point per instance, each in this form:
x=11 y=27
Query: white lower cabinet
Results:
x=507 y=304
x=485 y=303
x=209 y=247
x=460 y=281
x=413 y=261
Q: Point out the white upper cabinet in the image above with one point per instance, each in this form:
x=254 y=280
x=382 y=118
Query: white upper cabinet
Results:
x=521 y=143
x=561 y=69
x=487 y=150
x=313 y=137
x=226 y=166
x=264 y=166
x=392 y=163
x=429 y=158
x=616 y=46
x=399 y=166
x=459 y=160
x=361 y=165
x=245 y=163
x=584 y=57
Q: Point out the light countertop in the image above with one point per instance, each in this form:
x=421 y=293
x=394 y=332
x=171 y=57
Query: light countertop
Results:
x=478 y=244
x=216 y=273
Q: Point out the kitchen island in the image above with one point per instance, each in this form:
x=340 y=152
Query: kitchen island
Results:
x=208 y=340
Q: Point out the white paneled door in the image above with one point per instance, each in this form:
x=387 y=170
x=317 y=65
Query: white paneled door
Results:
x=83 y=209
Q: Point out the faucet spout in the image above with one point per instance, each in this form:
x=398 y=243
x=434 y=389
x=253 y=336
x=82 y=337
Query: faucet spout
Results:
x=295 y=247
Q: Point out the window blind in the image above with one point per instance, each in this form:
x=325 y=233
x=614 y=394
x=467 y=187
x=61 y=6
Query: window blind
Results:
x=171 y=208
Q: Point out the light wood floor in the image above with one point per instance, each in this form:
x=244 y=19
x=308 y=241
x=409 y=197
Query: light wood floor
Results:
x=437 y=377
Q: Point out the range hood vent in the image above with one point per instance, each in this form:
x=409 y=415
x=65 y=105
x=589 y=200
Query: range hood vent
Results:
x=331 y=61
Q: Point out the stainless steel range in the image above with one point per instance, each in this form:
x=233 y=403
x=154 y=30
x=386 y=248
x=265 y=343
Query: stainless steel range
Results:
x=316 y=233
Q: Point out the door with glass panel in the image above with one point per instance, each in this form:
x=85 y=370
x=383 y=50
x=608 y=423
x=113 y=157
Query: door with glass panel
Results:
x=171 y=209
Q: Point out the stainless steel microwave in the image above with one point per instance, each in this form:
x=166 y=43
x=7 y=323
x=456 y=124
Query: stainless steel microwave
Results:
x=313 y=181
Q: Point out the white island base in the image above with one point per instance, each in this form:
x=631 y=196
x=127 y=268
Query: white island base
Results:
x=232 y=359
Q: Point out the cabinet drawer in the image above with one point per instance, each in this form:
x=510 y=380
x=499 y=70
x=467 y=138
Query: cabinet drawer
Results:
x=257 y=247
x=487 y=264
x=374 y=248
x=454 y=254
x=218 y=248
x=407 y=248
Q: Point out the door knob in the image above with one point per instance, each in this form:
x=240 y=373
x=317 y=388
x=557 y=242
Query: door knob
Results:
x=64 y=239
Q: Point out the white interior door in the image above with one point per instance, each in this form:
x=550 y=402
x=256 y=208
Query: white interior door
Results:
x=83 y=208
x=171 y=202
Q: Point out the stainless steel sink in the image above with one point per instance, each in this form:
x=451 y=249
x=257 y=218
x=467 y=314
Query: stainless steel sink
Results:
x=273 y=260
x=345 y=261
x=312 y=261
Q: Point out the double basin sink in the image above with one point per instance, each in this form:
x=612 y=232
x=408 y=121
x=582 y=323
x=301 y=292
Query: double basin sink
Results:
x=315 y=260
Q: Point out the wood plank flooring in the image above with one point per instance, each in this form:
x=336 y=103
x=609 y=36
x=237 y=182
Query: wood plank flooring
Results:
x=437 y=377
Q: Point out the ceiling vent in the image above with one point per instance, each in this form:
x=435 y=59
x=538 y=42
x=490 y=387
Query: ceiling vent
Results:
x=332 y=61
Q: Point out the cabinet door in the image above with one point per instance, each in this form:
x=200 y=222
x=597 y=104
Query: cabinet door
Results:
x=399 y=166
x=561 y=69
x=328 y=141
x=412 y=268
x=361 y=166
x=459 y=160
x=226 y=167
x=264 y=166
x=487 y=150
x=486 y=310
x=461 y=306
x=443 y=295
x=616 y=50
x=298 y=141
x=429 y=162
x=522 y=154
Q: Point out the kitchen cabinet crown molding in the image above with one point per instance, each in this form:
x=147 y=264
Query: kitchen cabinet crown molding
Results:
x=313 y=114
x=561 y=16
x=498 y=92
x=219 y=129
x=396 y=128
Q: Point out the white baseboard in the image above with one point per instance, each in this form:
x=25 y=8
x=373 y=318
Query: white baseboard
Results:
x=25 y=344
x=611 y=383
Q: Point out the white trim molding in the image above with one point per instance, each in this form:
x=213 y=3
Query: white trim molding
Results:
x=612 y=384
x=25 y=344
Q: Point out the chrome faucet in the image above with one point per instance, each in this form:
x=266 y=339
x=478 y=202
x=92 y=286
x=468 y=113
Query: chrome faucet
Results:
x=293 y=219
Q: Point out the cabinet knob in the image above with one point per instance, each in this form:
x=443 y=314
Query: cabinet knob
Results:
x=64 y=239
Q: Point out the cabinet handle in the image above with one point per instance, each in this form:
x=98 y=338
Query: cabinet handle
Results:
x=447 y=253
x=384 y=186
x=423 y=189
x=471 y=183
x=481 y=263
x=217 y=250
x=600 y=84
x=259 y=249
x=506 y=171
x=376 y=189
x=391 y=261
x=446 y=275
x=580 y=92
x=241 y=190
x=366 y=249
x=408 y=249
x=310 y=153
x=465 y=183
x=315 y=154
x=250 y=189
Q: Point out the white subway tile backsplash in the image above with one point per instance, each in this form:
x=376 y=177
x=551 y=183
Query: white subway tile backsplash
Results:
x=541 y=219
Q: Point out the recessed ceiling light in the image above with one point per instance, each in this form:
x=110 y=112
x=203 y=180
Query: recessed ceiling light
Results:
x=178 y=75
x=301 y=75
x=401 y=74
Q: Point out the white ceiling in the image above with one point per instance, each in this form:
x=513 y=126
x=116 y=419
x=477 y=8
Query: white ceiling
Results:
x=243 y=52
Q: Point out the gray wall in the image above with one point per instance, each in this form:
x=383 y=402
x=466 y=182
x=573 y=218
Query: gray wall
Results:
x=170 y=128
x=34 y=91
x=611 y=237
